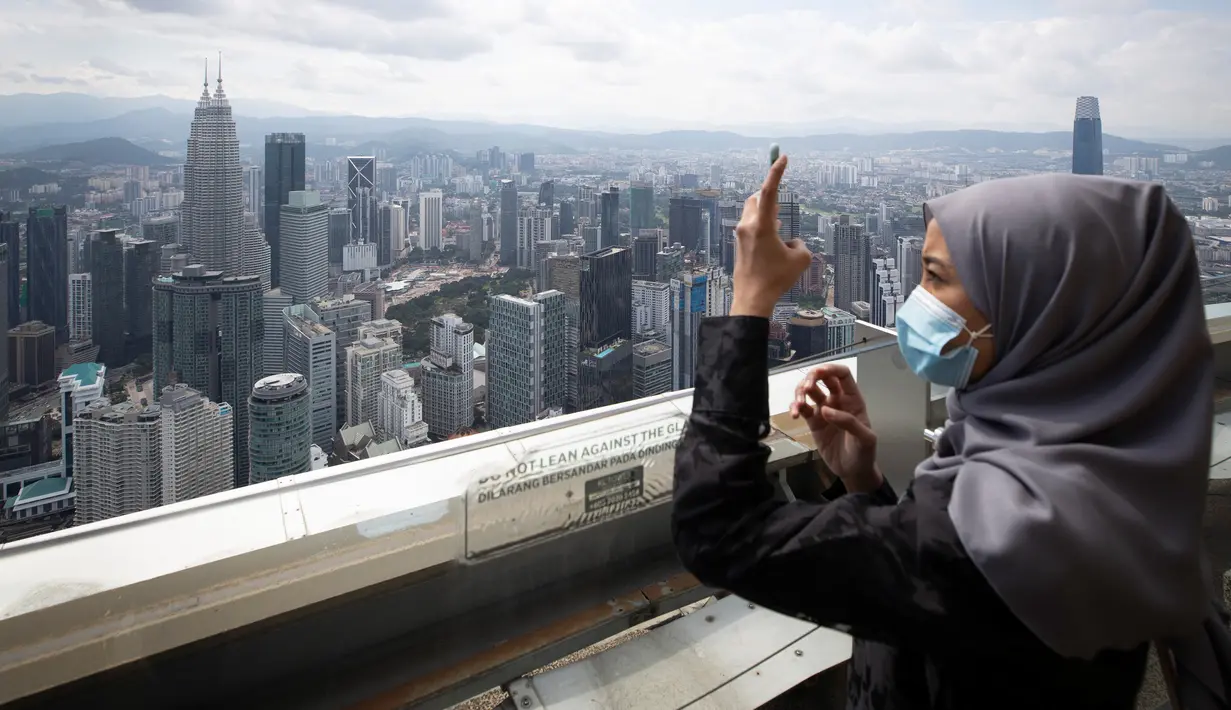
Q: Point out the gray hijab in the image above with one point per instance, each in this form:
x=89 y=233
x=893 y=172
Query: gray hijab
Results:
x=1080 y=460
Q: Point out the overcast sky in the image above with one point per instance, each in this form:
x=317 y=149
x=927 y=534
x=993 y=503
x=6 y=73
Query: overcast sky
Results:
x=1157 y=65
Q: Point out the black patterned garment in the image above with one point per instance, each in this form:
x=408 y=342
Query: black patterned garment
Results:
x=930 y=632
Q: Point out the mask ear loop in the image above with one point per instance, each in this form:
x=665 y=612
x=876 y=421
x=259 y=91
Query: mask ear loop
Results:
x=980 y=333
x=970 y=363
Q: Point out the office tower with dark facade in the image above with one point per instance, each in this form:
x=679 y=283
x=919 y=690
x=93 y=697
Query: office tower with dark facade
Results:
x=640 y=208
x=339 y=236
x=32 y=353
x=711 y=218
x=605 y=375
x=141 y=259
x=568 y=225
x=684 y=223
x=525 y=163
x=808 y=333
x=789 y=216
x=645 y=249
x=606 y=296
x=10 y=236
x=609 y=236
x=1087 y=137
x=284 y=174
x=162 y=229
x=547 y=194
x=508 y=223
x=668 y=263
x=208 y=334
x=852 y=261
x=4 y=328
x=47 y=267
x=107 y=297
x=361 y=199
x=564 y=275
x=651 y=369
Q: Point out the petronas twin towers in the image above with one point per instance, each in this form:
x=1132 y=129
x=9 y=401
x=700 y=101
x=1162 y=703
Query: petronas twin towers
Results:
x=214 y=228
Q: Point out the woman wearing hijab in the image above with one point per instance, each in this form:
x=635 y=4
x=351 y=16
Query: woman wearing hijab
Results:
x=1056 y=530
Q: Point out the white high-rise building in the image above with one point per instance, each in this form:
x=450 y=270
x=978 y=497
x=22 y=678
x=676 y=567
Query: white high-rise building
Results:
x=366 y=361
x=273 y=350
x=80 y=385
x=117 y=460
x=651 y=310
x=687 y=314
x=448 y=376
x=257 y=257
x=431 y=219
x=254 y=189
x=197 y=458
x=533 y=226
x=311 y=350
x=401 y=413
x=212 y=214
x=887 y=293
x=910 y=263
x=394 y=231
x=381 y=328
x=304 y=243
x=526 y=358
x=343 y=316
x=80 y=307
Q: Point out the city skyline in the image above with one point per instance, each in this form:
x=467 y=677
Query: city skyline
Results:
x=891 y=64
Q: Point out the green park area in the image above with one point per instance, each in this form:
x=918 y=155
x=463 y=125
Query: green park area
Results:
x=468 y=298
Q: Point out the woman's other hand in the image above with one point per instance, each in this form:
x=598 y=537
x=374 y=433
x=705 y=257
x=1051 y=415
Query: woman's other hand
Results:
x=765 y=266
x=840 y=426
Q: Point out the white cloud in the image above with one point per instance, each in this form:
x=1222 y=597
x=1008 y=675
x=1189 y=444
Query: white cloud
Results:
x=648 y=63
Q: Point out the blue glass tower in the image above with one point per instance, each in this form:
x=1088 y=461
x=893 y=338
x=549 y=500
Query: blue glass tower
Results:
x=1087 y=137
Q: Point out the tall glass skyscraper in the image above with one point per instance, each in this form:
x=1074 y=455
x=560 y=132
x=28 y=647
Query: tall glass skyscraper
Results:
x=209 y=331
x=361 y=198
x=47 y=267
x=107 y=295
x=508 y=223
x=212 y=214
x=684 y=223
x=641 y=208
x=140 y=266
x=1087 y=137
x=606 y=296
x=10 y=236
x=526 y=358
x=610 y=219
x=284 y=174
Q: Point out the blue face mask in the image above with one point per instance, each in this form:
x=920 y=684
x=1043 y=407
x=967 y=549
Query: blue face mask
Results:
x=925 y=326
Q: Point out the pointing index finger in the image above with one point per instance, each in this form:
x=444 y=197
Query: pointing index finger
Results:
x=769 y=189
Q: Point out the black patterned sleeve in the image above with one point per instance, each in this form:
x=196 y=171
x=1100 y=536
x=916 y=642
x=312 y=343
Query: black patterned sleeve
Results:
x=853 y=562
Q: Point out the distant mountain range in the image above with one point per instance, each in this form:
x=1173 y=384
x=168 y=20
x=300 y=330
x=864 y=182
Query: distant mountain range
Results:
x=35 y=109
x=162 y=124
x=100 y=151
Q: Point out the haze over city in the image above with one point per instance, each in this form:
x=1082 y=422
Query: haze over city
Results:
x=779 y=67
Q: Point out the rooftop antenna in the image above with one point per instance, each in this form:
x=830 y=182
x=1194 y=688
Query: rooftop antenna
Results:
x=206 y=73
x=220 y=68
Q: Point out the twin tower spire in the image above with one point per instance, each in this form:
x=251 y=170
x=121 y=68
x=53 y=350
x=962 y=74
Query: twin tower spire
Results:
x=218 y=94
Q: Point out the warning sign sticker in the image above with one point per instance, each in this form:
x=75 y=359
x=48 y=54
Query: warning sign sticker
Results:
x=570 y=485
